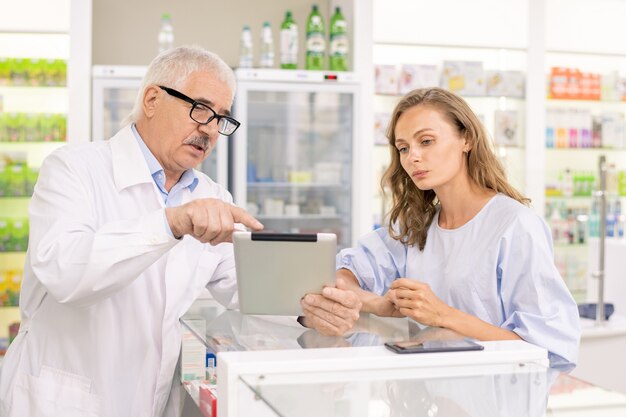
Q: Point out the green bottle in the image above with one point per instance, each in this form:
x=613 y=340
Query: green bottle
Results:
x=315 y=41
x=339 y=45
x=289 y=43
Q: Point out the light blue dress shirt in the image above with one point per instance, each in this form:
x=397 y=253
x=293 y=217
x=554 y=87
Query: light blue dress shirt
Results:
x=174 y=197
x=499 y=267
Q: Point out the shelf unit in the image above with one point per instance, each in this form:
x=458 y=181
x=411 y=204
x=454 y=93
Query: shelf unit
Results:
x=590 y=47
x=563 y=163
x=43 y=35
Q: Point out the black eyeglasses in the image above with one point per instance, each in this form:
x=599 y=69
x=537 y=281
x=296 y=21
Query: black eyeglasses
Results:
x=203 y=114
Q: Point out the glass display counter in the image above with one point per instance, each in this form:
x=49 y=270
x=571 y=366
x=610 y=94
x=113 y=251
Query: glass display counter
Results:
x=243 y=351
x=527 y=390
x=272 y=366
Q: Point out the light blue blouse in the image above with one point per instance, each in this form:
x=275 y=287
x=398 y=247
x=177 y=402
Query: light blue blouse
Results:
x=499 y=267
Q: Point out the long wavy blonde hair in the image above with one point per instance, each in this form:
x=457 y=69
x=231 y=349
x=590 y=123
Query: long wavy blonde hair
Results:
x=413 y=209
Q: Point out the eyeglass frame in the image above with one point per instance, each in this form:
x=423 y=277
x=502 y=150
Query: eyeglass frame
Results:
x=194 y=104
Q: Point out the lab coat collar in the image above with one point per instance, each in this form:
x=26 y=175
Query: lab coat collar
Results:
x=129 y=165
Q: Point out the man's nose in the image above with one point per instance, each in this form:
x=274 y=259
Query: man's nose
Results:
x=209 y=129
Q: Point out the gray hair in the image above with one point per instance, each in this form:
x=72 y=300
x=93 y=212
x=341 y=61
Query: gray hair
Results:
x=172 y=67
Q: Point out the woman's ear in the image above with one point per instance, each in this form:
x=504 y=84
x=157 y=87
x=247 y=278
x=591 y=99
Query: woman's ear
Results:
x=151 y=99
x=466 y=147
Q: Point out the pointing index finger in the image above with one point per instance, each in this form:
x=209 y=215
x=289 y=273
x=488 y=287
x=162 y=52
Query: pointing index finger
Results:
x=243 y=217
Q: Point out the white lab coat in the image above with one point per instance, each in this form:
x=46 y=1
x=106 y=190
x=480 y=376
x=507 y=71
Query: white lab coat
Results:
x=104 y=287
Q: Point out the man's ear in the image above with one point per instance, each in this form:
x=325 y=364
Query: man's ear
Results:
x=151 y=99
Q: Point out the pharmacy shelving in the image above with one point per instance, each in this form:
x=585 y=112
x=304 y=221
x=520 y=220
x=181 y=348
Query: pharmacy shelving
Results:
x=43 y=79
x=32 y=113
x=599 y=122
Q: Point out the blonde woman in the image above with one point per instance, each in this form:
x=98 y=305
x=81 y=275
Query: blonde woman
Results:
x=463 y=250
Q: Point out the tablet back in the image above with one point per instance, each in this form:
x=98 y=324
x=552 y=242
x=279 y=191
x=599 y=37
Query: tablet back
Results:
x=275 y=270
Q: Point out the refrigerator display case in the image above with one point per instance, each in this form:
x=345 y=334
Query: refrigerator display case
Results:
x=114 y=91
x=294 y=156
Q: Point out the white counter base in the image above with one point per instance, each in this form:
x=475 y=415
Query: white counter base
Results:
x=314 y=361
x=601 y=359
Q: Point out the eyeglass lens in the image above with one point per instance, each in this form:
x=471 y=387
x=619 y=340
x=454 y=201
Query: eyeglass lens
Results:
x=204 y=115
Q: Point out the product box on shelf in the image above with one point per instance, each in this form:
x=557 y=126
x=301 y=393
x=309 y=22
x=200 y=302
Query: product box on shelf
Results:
x=417 y=76
x=17 y=179
x=13 y=234
x=611 y=86
x=573 y=128
x=505 y=83
x=10 y=282
x=611 y=129
x=386 y=79
x=208 y=400
x=26 y=127
x=193 y=352
x=33 y=72
x=573 y=84
x=466 y=78
x=590 y=85
x=559 y=82
x=381 y=122
x=506 y=129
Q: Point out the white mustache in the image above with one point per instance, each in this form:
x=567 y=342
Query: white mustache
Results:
x=201 y=141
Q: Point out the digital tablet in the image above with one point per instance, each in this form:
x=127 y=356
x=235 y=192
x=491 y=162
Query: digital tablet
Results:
x=429 y=346
x=275 y=270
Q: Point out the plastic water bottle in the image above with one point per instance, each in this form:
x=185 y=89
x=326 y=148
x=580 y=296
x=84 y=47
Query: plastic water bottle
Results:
x=245 y=48
x=339 y=45
x=267 y=47
x=315 y=41
x=288 y=43
x=166 y=33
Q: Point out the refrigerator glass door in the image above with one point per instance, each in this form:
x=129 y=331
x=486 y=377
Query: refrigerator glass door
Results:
x=298 y=157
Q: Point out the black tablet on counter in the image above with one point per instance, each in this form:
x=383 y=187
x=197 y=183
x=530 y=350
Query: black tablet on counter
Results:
x=431 y=346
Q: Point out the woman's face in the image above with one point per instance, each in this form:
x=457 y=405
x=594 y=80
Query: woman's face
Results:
x=431 y=149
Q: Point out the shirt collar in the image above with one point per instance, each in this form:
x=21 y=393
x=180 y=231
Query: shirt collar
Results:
x=188 y=179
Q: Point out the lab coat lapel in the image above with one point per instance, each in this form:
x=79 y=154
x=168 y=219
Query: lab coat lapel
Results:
x=126 y=159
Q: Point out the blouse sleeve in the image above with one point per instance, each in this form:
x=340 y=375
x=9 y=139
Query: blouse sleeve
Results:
x=377 y=260
x=536 y=302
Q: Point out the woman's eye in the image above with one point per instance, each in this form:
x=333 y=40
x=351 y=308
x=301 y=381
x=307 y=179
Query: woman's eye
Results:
x=427 y=141
x=403 y=149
